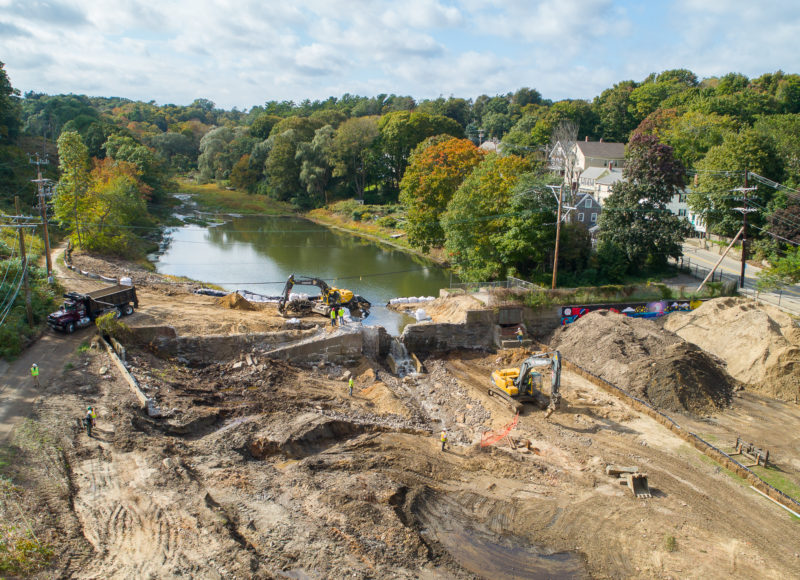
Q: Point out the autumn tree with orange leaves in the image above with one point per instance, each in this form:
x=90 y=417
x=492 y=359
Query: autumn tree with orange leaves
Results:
x=436 y=170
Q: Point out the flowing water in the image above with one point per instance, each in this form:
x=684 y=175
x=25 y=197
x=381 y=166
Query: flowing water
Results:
x=259 y=253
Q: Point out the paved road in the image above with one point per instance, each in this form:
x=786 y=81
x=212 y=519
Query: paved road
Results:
x=787 y=299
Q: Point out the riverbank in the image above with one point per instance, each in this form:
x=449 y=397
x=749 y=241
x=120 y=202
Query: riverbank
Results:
x=373 y=232
x=213 y=198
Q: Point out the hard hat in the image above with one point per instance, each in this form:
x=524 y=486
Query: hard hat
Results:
x=34 y=364
x=88 y=408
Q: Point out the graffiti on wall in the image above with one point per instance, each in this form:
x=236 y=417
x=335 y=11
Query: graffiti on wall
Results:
x=634 y=309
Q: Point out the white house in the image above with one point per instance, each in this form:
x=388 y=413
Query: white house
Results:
x=583 y=158
x=604 y=184
x=678 y=205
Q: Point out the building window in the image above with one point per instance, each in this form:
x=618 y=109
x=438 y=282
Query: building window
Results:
x=580 y=217
x=588 y=202
x=682 y=213
x=682 y=198
x=594 y=218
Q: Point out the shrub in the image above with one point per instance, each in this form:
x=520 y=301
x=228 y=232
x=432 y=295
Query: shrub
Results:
x=387 y=222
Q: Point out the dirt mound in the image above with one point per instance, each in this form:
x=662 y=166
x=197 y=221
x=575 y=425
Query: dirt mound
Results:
x=759 y=344
x=234 y=301
x=450 y=309
x=647 y=361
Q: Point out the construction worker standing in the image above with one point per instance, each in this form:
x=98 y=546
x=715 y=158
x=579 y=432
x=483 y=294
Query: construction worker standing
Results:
x=443 y=438
x=350 y=384
x=333 y=316
x=35 y=374
x=340 y=314
x=519 y=335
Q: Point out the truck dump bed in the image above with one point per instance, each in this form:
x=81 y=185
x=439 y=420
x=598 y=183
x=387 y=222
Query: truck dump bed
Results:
x=118 y=294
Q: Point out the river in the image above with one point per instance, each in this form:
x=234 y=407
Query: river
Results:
x=258 y=253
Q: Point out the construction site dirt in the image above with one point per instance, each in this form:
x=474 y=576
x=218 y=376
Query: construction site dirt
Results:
x=253 y=467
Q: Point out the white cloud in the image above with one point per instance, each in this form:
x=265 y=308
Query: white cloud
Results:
x=243 y=52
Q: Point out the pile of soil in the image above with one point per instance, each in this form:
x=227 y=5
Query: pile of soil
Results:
x=647 y=361
x=450 y=309
x=759 y=344
x=234 y=301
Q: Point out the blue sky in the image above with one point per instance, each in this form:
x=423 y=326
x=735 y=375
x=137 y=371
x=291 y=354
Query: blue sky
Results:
x=245 y=52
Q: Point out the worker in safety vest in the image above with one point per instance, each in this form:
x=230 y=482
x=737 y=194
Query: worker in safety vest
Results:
x=443 y=438
x=340 y=314
x=350 y=384
x=35 y=374
x=90 y=413
x=333 y=316
x=519 y=335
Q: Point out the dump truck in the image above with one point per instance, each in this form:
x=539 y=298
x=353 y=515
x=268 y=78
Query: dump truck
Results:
x=523 y=384
x=80 y=310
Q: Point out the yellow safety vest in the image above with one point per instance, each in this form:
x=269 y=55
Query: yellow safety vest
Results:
x=444 y=436
x=34 y=371
x=333 y=313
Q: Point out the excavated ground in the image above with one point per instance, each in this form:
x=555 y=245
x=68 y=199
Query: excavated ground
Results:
x=271 y=470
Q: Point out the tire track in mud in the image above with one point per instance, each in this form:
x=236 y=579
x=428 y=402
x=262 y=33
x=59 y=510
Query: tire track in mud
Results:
x=132 y=530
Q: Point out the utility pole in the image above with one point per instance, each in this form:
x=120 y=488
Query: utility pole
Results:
x=745 y=210
x=561 y=206
x=558 y=234
x=28 y=307
x=40 y=183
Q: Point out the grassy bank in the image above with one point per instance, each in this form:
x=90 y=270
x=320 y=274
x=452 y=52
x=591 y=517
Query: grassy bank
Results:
x=372 y=230
x=211 y=197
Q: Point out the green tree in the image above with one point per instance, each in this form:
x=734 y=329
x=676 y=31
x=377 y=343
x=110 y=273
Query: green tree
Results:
x=436 y=169
x=115 y=200
x=402 y=131
x=721 y=171
x=527 y=241
x=10 y=109
x=263 y=125
x=635 y=216
x=614 y=110
x=71 y=202
x=476 y=219
x=782 y=131
x=316 y=167
x=244 y=175
x=352 y=151
x=782 y=272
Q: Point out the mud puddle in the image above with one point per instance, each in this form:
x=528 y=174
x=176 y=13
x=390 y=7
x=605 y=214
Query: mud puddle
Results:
x=487 y=551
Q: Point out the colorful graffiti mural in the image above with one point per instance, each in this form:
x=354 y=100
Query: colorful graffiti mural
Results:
x=655 y=309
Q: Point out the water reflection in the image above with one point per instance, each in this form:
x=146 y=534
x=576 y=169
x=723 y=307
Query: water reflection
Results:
x=259 y=254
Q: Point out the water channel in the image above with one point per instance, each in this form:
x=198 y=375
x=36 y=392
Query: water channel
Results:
x=258 y=253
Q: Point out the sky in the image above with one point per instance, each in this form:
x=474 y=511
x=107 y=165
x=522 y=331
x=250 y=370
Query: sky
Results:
x=245 y=52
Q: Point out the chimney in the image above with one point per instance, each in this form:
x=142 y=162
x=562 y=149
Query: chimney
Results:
x=586 y=139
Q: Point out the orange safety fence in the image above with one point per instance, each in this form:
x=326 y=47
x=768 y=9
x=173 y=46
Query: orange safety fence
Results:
x=492 y=437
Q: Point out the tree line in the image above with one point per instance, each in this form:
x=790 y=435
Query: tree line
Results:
x=313 y=153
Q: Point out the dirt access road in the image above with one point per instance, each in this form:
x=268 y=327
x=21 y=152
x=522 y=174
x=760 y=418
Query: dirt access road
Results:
x=271 y=470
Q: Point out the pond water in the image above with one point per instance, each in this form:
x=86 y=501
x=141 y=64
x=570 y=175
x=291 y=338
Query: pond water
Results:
x=258 y=253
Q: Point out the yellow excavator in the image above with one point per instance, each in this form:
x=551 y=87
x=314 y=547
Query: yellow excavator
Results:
x=523 y=384
x=329 y=298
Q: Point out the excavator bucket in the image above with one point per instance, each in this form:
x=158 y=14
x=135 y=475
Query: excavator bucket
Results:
x=638 y=484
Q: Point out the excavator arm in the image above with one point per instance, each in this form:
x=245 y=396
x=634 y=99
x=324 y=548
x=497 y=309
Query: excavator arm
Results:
x=328 y=296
